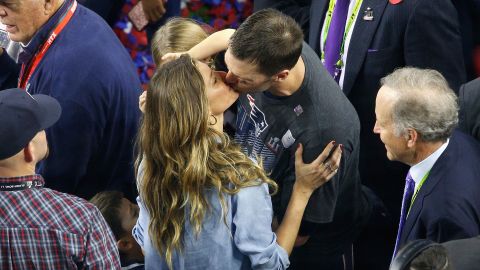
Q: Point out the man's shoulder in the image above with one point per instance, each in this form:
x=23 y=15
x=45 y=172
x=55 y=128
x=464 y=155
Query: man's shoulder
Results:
x=47 y=209
x=88 y=39
x=72 y=205
x=317 y=81
x=457 y=168
x=464 y=147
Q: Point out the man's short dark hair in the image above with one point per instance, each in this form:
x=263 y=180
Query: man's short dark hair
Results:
x=269 y=39
x=109 y=203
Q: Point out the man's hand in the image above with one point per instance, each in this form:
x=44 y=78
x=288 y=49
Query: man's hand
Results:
x=153 y=9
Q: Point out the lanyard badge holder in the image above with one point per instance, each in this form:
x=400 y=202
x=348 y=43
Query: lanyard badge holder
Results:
x=338 y=69
x=339 y=65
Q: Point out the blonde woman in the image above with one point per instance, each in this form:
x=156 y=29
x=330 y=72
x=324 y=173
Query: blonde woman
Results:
x=203 y=203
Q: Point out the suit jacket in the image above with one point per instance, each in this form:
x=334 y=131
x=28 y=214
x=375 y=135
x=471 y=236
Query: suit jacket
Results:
x=463 y=254
x=447 y=206
x=420 y=33
x=469 y=17
x=469 y=100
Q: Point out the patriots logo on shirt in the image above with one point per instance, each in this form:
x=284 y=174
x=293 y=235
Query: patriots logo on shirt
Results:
x=257 y=116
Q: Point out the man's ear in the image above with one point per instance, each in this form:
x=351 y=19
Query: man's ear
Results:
x=125 y=244
x=412 y=137
x=50 y=6
x=28 y=152
x=282 y=75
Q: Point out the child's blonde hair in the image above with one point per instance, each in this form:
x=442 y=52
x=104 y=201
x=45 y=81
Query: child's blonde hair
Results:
x=177 y=35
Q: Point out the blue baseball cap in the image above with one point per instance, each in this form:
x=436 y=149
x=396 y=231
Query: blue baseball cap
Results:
x=22 y=116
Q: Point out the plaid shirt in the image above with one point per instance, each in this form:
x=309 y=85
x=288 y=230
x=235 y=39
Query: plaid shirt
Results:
x=44 y=229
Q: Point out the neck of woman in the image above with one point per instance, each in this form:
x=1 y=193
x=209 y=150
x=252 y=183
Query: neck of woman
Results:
x=218 y=126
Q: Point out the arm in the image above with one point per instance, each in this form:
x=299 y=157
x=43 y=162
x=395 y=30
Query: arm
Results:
x=432 y=40
x=9 y=71
x=451 y=228
x=101 y=249
x=255 y=239
x=213 y=44
x=455 y=218
x=153 y=9
x=72 y=142
x=308 y=178
x=322 y=203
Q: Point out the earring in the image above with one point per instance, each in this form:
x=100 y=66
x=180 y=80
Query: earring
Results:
x=214 y=119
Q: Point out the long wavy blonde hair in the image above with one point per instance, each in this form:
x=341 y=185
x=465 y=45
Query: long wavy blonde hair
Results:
x=183 y=155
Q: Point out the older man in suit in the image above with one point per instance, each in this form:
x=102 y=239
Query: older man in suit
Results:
x=416 y=114
x=362 y=41
x=382 y=36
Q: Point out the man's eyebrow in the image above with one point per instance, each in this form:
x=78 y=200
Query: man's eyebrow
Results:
x=238 y=77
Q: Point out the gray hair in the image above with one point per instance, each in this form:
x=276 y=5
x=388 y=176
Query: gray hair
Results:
x=424 y=102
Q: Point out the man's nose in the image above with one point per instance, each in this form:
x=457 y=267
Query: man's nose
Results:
x=230 y=78
x=222 y=75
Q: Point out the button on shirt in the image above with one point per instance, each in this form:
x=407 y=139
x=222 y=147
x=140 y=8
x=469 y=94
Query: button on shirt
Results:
x=44 y=229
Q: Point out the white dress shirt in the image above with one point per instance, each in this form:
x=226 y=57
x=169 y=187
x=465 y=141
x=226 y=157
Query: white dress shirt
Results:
x=419 y=170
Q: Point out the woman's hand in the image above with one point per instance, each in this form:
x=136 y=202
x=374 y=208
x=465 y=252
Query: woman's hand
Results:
x=153 y=9
x=142 y=101
x=311 y=176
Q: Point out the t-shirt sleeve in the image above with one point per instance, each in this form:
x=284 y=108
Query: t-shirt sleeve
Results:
x=253 y=236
